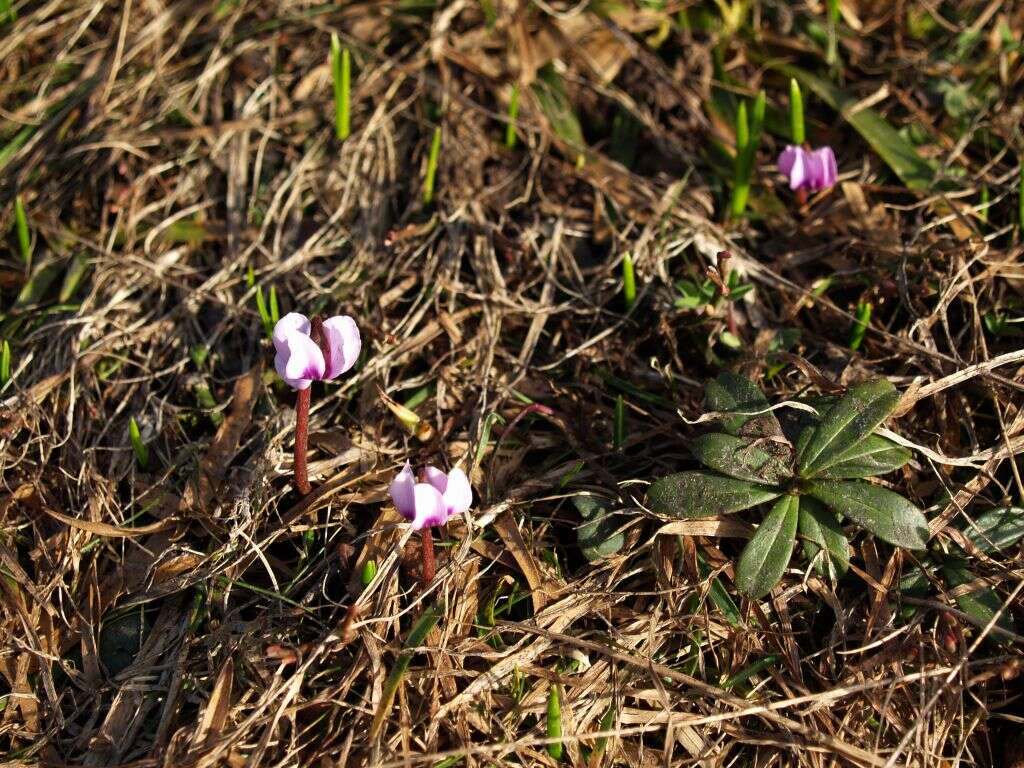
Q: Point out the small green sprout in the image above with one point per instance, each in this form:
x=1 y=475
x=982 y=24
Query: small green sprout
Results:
x=140 y=448
x=513 y=115
x=860 y=325
x=628 y=281
x=24 y=236
x=435 y=153
x=341 y=74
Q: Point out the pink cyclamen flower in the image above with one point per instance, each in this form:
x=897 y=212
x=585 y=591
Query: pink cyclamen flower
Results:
x=300 y=358
x=808 y=169
x=433 y=502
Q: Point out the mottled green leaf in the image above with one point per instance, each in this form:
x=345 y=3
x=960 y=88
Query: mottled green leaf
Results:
x=731 y=393
x=874 y=455
x=121 y=640
x=757 y=460
x=599 y=535
x=886 y=514
x=820 y=530
x=767 y=554
x=997 y=529
x=913 y=170
x=980 y=604
x=845 y=424
x=702 y=494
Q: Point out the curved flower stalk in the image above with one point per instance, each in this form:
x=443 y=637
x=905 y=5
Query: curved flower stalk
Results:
x=808 y=169
x=309 y=350
x=431 y=502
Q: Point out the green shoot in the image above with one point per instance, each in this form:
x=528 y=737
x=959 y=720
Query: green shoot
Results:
x=435 y=152
x=426 y=622
x=513 y=115
x=607 y=721
x=554 y=723
x=5 y=363
x=983 y=204
x=860 y=325
x=24 y=237
x=796 y=113
x=619 y=436
x=341 y=73
x=832 y=56
x=7 y=12
x=748 y=137
x=628 y=281
x=275 y=313
x=265 y=316
x=140 y=448
x=250 y=277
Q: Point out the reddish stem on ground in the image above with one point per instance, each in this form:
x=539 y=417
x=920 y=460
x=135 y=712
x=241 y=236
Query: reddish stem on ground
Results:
x=301 y=440
x=429 y=566
x=316 y=332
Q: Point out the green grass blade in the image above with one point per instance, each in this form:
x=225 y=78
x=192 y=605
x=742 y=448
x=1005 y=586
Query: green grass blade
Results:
x=619 y=438
x=5 y=363
x=435 y=153
x=368 y=573
x=24 y=236
x=417 y=635
x=628 y=281
x=261 y=307
x=275 y=312
x=140 y=448
x=7 y=12
x=554 y=723
x=797 y=129
x=513 y=115
x=860 y=325
x=832 y=55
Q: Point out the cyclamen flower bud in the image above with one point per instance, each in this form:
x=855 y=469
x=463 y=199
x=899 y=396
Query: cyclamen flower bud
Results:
x=808 y=169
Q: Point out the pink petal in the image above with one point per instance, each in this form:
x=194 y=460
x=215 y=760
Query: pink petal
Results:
x=402 y=492
x=794 y=163
x=430 y=508
x=291 y=323
x=436 y=478
x=343 y=339
x=827 y=164
x=458 y=496
x=298 y=360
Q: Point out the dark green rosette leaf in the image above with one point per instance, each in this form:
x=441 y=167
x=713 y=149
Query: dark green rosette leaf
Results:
x=874 y=455
x=820 y=530
x=886 y=514
x=599 y=535
x=703 y=494
x=846 y=424
x=729 y=393
x=997 y=529
x=767 y=554
x=980 y=604
x=759 y=460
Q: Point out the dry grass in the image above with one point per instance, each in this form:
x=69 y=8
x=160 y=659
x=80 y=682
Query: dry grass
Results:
x=196 y=613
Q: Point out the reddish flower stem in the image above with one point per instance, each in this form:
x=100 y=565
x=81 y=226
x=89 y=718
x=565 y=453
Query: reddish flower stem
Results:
x=301 y=440
x=429 y=565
